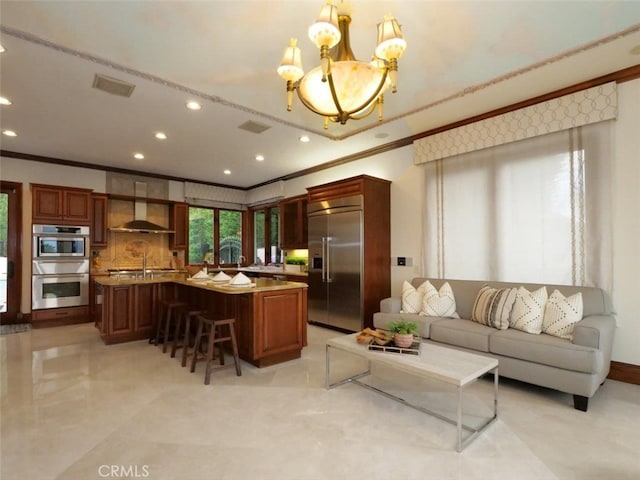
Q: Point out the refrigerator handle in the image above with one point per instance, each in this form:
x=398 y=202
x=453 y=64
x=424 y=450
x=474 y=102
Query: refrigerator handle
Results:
x=324 y=258
x=328 y=259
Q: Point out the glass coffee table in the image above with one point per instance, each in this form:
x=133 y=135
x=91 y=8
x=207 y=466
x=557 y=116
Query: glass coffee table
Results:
x=437 y=362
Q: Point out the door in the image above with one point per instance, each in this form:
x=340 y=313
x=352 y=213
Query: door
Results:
x=317 y=293
x=10 y=251
x=343 y=253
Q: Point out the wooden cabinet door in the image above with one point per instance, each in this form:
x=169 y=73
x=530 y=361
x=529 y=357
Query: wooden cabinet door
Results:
x=99 y=233
x=121 y=308
x=145 y=306
x=47 y=204
x=280 y=329
x=179 y=222
x=293 y=218
x=76 y=206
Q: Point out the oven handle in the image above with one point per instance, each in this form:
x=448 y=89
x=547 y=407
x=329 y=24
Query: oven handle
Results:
x=65 y=275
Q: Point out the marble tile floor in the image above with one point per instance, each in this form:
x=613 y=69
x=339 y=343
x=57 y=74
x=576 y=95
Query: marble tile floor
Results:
x=73 y=408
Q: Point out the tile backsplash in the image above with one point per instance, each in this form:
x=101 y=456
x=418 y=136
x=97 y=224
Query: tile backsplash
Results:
x=125 y=250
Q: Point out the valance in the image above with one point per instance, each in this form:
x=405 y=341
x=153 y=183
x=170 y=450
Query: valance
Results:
x=573 y=110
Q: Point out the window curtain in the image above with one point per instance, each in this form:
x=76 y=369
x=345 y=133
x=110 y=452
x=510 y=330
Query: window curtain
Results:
x=535 y=210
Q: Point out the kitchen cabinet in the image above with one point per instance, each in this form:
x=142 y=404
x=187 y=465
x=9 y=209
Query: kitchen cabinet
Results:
x=61 y=205
x=293 y=223
x=127 y=311
x=56 y=317
x=179 y=223
x=99 y=219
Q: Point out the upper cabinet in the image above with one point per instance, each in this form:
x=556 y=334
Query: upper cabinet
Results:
x=63 y=205
x=293 y=223
x=100 y=214
x=179 y=223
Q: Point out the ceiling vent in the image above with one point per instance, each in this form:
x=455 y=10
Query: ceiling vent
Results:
x=113 y=85
x=254 y=127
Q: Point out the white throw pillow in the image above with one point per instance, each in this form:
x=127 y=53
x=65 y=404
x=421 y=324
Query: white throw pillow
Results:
x=493 y=306
x=528 y=310
x=412 y=298
x=561 y=314
x=438 y=303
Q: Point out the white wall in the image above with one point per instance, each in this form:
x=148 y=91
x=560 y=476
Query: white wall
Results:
x=407 y=194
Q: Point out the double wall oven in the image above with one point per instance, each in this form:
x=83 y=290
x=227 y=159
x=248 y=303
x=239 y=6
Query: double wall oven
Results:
x=60 y=266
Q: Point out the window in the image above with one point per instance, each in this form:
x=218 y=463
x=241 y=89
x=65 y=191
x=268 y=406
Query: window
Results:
x=230 y=236
x=266 y=235
x=534 y=211
x=215 y=235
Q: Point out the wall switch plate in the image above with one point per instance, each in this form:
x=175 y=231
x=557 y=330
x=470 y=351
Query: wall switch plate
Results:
x=402 y=261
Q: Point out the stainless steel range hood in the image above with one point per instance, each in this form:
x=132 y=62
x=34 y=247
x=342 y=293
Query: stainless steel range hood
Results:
x=140 y=224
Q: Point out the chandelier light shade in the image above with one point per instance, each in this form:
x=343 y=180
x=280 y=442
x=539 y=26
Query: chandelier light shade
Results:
x=343 y=88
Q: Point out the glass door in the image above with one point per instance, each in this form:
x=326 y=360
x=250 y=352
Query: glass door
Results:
x=10 y=265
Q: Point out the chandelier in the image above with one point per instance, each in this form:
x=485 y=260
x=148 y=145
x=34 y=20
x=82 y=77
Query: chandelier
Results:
x=343 y=88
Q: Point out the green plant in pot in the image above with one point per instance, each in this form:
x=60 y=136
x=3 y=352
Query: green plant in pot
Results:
x=403 y=332
x=298 y=261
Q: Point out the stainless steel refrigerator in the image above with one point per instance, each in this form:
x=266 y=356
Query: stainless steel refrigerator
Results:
x=335 y=263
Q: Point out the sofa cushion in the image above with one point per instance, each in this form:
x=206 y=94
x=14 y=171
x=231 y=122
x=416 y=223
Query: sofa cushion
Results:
x=412 y=297
x=438 y=303
x=382 y=320
x=561 y=314
x=528 y=310
x=462 y=333
x=546 y=350
x=493 y=306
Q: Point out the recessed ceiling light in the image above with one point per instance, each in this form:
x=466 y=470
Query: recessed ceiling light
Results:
x=192 y=105
x=381 y=135
x=138 y=156
x=9 y=133
x=160 y=135
x=304 y=139
x=1 y=49
x=227 y=172
x=5 y=101
x=259 y=157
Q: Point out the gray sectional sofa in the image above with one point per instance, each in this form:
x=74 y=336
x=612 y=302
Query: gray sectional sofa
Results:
x=577 y=366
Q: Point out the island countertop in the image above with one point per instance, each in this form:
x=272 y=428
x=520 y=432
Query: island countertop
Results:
x=257 y=284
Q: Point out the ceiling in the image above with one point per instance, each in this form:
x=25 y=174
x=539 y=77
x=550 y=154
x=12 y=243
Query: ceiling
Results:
x=463 y=59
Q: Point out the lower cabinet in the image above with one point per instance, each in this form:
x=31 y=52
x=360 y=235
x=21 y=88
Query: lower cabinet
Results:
x=127 y=312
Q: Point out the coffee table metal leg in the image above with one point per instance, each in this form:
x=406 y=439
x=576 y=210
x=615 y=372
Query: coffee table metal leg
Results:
x=351 y=379
x=459 y=422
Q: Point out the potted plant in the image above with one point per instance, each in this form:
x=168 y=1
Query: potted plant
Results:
x=295 y=264
x=403 y=332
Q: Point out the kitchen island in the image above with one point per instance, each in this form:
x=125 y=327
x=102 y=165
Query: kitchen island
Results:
x=270 y=315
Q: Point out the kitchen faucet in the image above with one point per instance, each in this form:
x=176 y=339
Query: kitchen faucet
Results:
x=241 y=259
x=144 y=266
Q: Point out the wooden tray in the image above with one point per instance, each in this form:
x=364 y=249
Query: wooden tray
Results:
x=414 y=349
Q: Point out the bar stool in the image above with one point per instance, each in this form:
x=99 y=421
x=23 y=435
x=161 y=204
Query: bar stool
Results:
x=212 y=330
x=167 y=315
x=182 y=339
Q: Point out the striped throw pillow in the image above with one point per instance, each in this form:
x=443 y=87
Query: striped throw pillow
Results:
x=528 y=310
x=561 y=314
x=493 y=306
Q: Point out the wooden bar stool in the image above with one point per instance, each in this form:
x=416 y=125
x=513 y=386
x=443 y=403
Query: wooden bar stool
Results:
x=182 y=338
x=211 y=330
x=167 y=315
